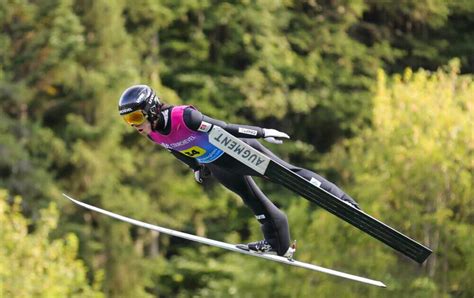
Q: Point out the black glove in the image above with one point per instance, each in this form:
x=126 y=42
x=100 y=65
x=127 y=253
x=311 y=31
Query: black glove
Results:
x=201 y=173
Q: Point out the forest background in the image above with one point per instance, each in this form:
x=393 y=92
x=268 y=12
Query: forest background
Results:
x=376 y=95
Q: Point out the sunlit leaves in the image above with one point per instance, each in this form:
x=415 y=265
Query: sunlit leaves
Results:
x=414 y=166
x=33 y=265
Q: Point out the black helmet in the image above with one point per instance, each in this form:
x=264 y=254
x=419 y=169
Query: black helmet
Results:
x=140 y=98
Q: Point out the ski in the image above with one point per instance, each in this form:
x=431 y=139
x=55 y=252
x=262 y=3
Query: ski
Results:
x=228 y=246
x=311 y=191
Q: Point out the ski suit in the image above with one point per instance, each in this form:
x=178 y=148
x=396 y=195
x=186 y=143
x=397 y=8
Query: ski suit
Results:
x=183 y=131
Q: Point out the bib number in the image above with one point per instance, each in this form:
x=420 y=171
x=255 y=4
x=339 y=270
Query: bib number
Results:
x=194 y=151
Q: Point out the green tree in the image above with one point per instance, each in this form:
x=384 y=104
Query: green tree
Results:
x=263 y=60
x=32 y=265
x=40 y=44
x=414 y=168
x=416 y=34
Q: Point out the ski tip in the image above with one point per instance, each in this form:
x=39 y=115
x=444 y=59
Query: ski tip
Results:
x=68 y=197
x=381 y=284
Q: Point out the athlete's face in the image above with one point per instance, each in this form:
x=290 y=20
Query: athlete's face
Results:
x=144 y=128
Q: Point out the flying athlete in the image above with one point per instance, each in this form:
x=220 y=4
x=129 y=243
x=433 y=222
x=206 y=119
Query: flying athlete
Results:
x=183 y=131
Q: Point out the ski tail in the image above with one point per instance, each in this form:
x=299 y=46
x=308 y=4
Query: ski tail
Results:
x=354 y=216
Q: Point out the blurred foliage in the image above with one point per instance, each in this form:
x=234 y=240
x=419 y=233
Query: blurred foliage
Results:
x=32 y=265
x=341 y=77
x=417 y=159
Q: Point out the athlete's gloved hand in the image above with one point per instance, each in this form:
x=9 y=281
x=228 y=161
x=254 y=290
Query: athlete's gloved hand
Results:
x=270 y=135
x=201 y=174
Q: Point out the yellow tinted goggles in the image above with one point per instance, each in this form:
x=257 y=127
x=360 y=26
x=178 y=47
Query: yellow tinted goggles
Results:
x=134 y=118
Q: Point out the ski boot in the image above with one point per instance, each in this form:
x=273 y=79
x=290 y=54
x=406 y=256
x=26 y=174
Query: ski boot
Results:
x=264 y=247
